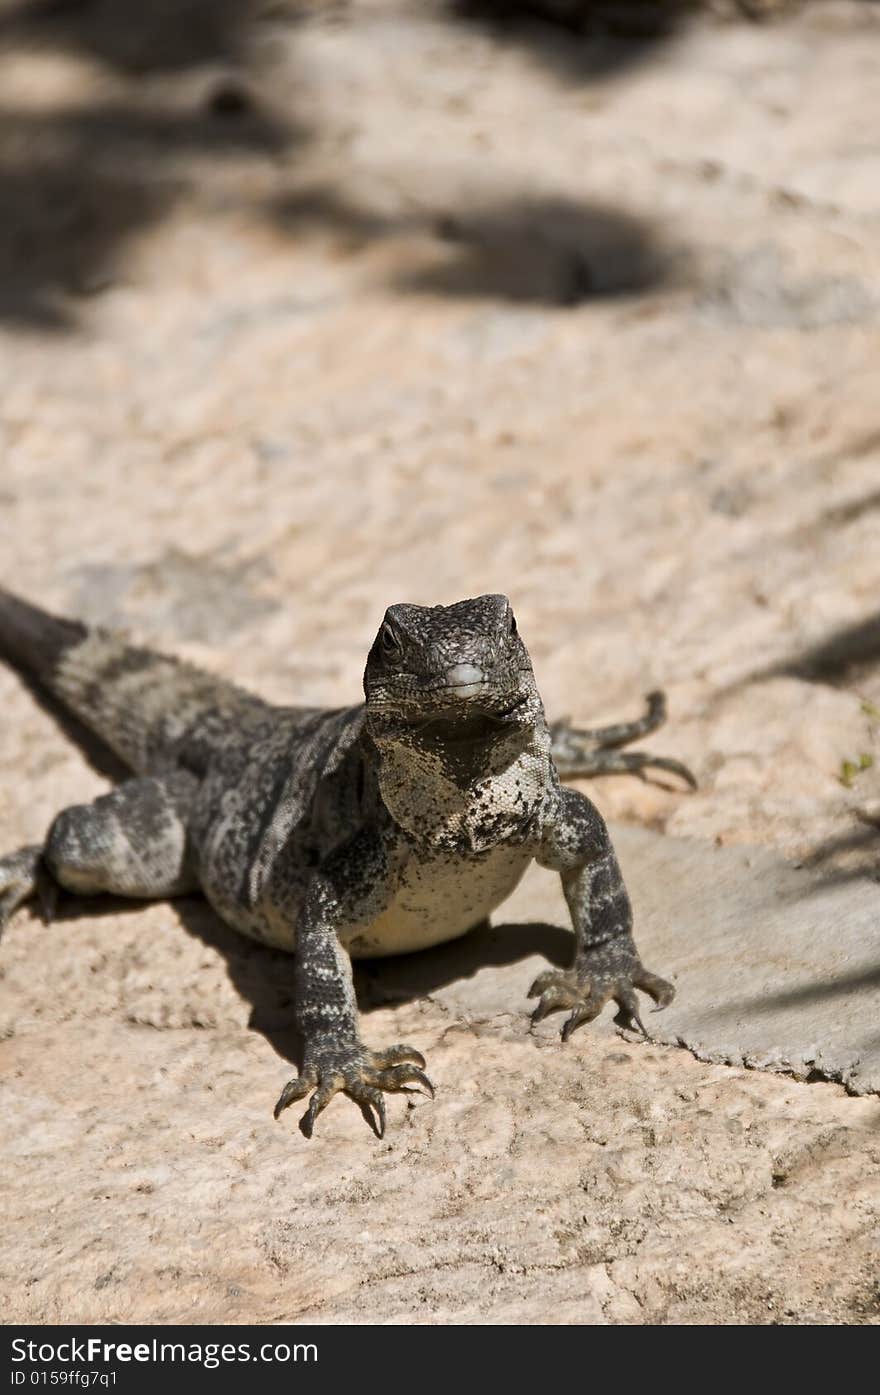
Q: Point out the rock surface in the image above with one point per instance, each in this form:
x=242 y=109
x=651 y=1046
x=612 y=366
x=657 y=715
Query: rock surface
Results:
x=322 y=313
x=775 y=966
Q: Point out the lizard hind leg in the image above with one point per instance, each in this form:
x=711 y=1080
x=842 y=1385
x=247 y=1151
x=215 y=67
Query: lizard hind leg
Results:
x=595 y=751
x=131 y=842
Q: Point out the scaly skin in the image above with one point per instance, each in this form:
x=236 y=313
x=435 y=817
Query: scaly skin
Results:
x=365 y=831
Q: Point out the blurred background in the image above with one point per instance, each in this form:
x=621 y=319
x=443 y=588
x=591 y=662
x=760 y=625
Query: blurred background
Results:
x=307 y=308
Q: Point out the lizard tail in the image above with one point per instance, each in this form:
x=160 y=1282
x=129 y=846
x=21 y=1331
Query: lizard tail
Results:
x=32 y=640
x=153 y=711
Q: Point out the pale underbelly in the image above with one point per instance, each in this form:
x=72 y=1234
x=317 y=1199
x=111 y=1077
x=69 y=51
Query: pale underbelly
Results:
x=439 y=899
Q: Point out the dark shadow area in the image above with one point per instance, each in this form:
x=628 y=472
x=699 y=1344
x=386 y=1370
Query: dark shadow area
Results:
x=138 y=36
x=527 y=250
x=856 y=840
x=99 y=756
x=319 y=206
x=264 y=977
x=59 y=235
x=78 y=183
x=404 y=978
x=842 y=657
x=84 y=181
x=861 y=849
x=806 y=993
x=544 y=251
x=578 y=40
x=842 y=514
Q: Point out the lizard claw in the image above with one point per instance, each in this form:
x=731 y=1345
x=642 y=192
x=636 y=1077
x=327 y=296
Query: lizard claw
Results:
x=295 y=1089
x=362 y=1075
x=394 y=1055
x=655 y=987
x=586 y=994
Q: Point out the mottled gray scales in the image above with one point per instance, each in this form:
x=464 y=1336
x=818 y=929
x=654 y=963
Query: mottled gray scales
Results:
x=131 y=842
x=370 y=830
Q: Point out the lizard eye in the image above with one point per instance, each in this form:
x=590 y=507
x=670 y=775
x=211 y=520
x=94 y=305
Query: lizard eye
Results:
x=388 y=640
x=513 y=629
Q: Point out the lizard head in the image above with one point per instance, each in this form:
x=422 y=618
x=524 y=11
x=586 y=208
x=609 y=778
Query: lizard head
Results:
x=447 y=675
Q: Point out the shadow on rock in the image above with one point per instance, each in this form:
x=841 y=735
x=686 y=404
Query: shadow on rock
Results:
x=849 y=857
x=79 y=181
x=405 y=978
x=861 y=981
x=264 y=977
x=545 y=251
x=60 y=230
x=841 y=657
x=133 y=37
x=578 y=40
x=77 y=185
x=98 y=755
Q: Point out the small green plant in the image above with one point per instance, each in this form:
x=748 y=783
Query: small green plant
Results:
x=849 y=769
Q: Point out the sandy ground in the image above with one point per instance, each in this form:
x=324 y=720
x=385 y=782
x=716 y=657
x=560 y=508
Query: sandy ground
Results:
x=305 y=313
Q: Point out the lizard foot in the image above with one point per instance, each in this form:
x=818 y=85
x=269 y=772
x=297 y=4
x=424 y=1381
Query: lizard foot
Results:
x=20 y=879
x=587 y=992
x=583 y=752
x=362 y=1075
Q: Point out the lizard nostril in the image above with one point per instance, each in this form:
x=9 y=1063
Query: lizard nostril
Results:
x=464 y=679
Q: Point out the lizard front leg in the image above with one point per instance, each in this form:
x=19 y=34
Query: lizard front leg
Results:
x=19 y=880
x=343 y=894
x=606 y=964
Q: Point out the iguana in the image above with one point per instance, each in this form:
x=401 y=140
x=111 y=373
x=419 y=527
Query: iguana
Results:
x=371 y=830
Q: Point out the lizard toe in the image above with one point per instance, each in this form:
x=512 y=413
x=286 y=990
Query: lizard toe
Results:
x=628 y=1003
x=586 y=1010
x=551 y=979
x=605 y=976
x=372 y=1105
x=554 y=999
x=404 y=1077
x=655 y=987
x=295 y=1089
x=327 y=1088
x=396 y=1056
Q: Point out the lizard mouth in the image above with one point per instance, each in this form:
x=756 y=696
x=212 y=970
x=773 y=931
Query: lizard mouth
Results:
x=462 y=723
x=504 y=713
